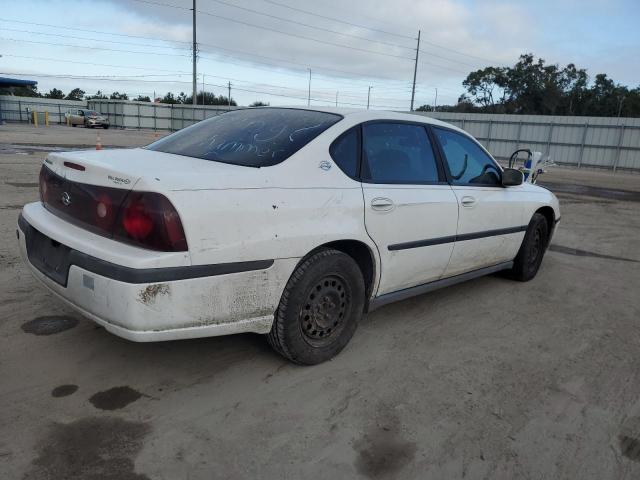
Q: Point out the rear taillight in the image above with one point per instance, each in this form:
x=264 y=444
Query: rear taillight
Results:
x=149 y=220
x=144 y=219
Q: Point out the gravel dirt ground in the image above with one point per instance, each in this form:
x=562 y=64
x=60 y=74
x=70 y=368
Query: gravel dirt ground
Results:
x=489 y=379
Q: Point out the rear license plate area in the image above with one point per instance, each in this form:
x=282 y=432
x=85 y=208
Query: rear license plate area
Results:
x=48 y=256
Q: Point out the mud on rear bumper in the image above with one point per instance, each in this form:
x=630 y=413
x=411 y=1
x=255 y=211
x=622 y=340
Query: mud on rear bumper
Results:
x=160 y=303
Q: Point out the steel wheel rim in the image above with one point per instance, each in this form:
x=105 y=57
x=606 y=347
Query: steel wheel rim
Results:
x=322 y=315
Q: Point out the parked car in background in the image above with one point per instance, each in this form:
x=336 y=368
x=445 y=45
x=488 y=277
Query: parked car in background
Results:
x=290 y=222
x=88 y=118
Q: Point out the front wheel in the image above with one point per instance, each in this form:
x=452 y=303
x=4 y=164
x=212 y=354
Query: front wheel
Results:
x=320 y=308
x=529 y=258
x=106 y=127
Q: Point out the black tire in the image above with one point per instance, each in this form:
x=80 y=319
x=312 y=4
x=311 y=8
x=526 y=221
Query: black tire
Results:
x=529 y=258
x=106 y=127
x=320 y=308
x=73 y=125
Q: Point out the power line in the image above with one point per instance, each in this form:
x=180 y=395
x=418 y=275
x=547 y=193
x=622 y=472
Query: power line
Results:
x=162 y=4
x=140 y=79
x=316 y=67
x=304 y=37
x=337 y=20
x=253 y=25
x=334 y=19
x=93 y=47
x=305 y=65
x=212 y=46
x=315 y=27
x=95 y=64
x=457 y=52
x=102 y=32
x=93 y=39
x=207 y=84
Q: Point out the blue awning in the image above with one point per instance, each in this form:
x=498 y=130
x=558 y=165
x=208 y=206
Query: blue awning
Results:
x=15 y=82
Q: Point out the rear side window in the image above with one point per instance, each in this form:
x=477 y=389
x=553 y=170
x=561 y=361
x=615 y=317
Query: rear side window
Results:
x=345 y=151
x=398 y=153
x=252 y=137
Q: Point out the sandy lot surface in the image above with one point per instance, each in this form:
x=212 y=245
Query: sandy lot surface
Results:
x=486 y=380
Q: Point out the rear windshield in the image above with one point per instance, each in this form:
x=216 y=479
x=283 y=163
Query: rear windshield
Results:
x=251 y=137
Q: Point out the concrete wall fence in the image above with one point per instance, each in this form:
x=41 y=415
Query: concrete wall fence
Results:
x=156 y=116
x=16 y=109
x=599 y=142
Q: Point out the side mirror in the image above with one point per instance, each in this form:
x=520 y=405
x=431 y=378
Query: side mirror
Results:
x=512 y=177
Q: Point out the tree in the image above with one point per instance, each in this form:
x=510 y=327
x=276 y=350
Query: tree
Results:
x=169 y=98
x=258 y=103
x=182 y=98
x=54 y=93
x=142 y=98
x=26 y=91
x=75 y=94
x=209 y=99
x=119 y=96
x=98 y=96
x=532 y=86
x=485 y=85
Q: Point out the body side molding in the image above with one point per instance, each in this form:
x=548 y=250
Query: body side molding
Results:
x=457 y=238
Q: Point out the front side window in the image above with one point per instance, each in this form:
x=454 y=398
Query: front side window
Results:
x=468 y=163
x=397 y=153
x=250 y=137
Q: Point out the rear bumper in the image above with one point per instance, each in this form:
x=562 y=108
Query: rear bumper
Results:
x=170 y=303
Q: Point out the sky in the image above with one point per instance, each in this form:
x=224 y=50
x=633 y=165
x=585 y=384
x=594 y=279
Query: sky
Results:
x=268 y=49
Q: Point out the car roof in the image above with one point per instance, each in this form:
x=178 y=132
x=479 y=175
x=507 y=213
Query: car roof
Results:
x=369 y=115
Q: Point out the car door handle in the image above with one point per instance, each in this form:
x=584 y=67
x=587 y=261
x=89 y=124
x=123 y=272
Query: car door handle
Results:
x=468 y=201
x=382 y=204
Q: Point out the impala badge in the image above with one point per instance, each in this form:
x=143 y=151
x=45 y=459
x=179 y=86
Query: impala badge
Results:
x=66 y=199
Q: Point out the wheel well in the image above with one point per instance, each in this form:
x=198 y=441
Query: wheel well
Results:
x=363 y=256
x=550 y=216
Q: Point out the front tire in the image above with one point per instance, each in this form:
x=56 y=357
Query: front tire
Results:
x=529 y=258
x=320 y=308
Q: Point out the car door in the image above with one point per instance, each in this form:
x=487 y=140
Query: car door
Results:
x=77 y=117
x=411 y=212
x=490 y=221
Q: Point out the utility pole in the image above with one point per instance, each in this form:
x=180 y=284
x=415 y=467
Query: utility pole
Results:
x=203 y=89
x=415 y=72
x=195 y=80
x=309 y=93
x=368 y=96
x=229 y=96
x=435 y=101
x=336 y=98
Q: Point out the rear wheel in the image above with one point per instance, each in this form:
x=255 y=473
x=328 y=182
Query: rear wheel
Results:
x=73 y=125
x=529 y=258
x=319 y=309
x=106 y=127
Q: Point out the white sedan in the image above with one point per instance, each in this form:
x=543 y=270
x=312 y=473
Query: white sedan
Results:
x=290 y=222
